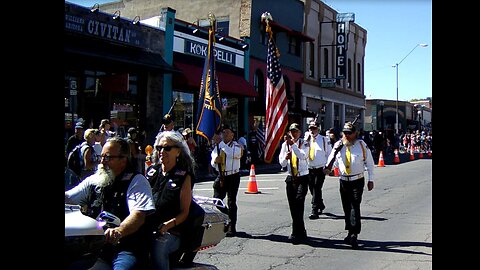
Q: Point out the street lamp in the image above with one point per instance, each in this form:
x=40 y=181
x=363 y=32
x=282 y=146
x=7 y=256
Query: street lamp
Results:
x=419 y=120
x=396 y=67
x=381 y=103
x=422 y=120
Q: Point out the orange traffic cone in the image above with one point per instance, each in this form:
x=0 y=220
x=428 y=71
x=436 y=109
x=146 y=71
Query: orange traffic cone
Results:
x=381 y=162
x=252 y=183
x=396 y=159
x=429 y=154
x=420 y=154
x=412 y=156
x=336 y=171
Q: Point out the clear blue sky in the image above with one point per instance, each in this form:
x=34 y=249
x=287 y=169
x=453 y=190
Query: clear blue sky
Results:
x=394 y=28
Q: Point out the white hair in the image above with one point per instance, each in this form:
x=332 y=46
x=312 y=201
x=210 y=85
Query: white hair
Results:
x=103 y=176
x=185 y=159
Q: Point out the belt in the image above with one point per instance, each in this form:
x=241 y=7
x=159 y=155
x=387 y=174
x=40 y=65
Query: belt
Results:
x=314 y=168
x=351 y=177
x=226 y=173
x=299 y=174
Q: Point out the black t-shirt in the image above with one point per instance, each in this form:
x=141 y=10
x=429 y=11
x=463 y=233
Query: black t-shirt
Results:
x=72 y=142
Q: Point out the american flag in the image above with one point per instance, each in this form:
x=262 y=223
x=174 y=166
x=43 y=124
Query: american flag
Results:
x=260 y=139
x=276 y=116
x=209 y=112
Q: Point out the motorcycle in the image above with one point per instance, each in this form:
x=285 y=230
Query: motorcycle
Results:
x=208 y=231
x=84 y=236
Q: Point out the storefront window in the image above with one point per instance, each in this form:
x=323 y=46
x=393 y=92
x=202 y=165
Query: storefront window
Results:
x=107 y=95
x=123 y=116
x=183 y=111
x=351 y=113
x=230 y=113
x=92 y=82
x=132 y=84
x=125 y=108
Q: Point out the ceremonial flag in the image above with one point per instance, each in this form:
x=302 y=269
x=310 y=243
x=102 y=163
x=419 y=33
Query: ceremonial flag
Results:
x=276 y=116
x=209 y=112
x=260 y=139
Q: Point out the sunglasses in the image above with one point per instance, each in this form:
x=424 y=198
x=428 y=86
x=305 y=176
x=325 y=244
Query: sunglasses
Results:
x=347 y=132
x=167 y=148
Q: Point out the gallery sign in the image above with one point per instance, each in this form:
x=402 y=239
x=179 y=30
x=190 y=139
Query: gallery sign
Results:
x=187 y=44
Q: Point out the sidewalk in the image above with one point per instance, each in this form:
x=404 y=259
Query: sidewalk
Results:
x=404 y=157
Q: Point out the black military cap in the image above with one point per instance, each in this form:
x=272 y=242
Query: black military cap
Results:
x=167 y=119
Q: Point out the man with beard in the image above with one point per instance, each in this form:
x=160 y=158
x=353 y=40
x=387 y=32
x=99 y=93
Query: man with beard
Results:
x=117 y=188
x=352 y=156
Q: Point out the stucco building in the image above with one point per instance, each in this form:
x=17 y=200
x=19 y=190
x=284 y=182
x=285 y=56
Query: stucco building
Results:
x=333 y=65
x=242 y=20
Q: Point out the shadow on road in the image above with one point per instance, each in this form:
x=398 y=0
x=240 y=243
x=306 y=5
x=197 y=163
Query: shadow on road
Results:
x=197 y=266
x=333 y=216
x=386 y=246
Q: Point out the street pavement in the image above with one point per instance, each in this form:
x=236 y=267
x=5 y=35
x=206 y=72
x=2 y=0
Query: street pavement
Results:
x=396 y=225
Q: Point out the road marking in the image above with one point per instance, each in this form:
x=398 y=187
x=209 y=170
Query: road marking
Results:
x=209 y=189
x=264 y=180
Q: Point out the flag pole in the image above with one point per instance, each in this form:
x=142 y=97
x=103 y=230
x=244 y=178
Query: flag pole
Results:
x=213 y=24
x=276 y=114
x=209 y=111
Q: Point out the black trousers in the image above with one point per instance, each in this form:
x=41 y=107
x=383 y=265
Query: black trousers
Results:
x=230 y=188
x=315 y=184
x=296 y=192
x=351 y=193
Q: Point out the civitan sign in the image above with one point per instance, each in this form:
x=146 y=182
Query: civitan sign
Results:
x=341 y=50
x=101 y=25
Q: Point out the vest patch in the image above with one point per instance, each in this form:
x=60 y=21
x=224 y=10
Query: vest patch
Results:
x=151 y=172
x=179 y=172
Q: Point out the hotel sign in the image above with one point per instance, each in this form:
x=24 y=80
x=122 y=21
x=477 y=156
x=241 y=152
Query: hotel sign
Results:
x=341 y=50
x=345 y=17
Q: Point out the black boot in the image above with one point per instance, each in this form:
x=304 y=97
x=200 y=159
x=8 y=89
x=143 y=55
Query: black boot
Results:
x=348 y=238
x=353 y=241
x=322 y=207
x=314 y=214
x=231 y=230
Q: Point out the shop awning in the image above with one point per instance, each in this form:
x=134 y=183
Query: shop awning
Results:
x=300 y=112
x=128 y=56
x=228 y=83
x=277 y=27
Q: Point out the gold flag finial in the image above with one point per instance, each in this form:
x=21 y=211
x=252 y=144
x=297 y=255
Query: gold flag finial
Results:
x=212 y=19
x=267 y=17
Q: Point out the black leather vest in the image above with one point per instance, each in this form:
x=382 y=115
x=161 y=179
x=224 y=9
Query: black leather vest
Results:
x=166 y=193
x=114 y=200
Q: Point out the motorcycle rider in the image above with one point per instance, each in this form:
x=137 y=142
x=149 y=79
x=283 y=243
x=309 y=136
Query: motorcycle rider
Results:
x=117 y=188
x=171 y=178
